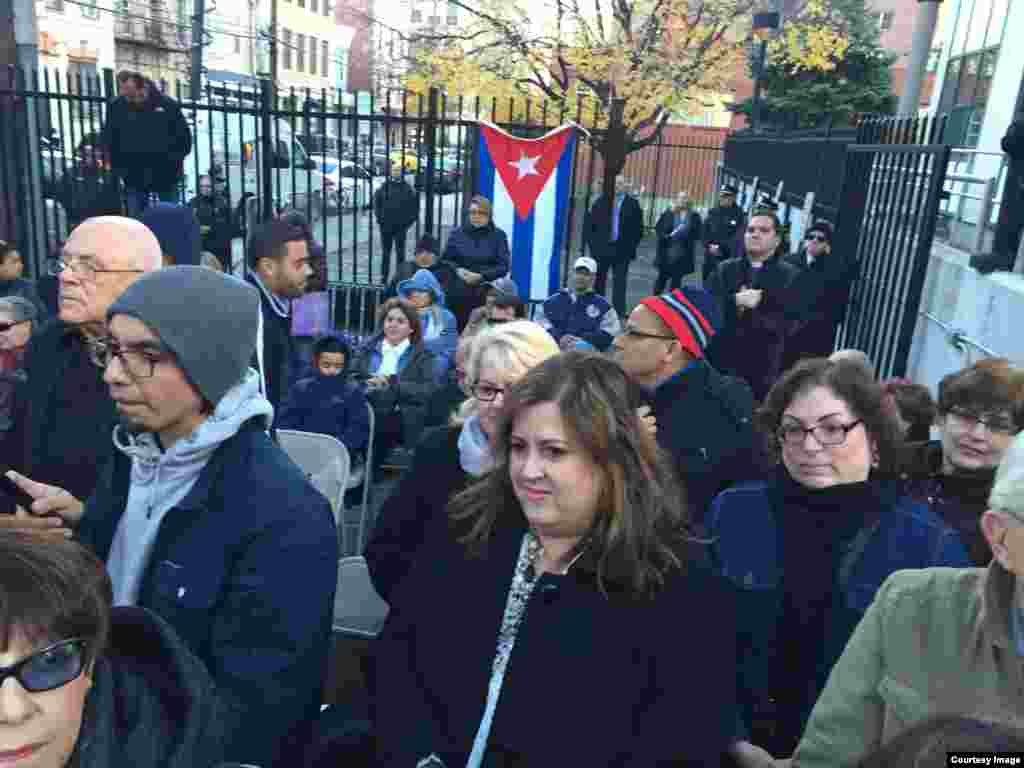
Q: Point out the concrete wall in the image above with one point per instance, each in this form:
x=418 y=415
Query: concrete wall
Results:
x=988 y=309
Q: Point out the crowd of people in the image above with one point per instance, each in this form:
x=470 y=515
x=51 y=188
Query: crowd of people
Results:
x=687 y=535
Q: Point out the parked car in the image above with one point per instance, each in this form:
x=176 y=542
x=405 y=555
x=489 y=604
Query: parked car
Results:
x=408 y=158
x=447 y=175
x=354 y=183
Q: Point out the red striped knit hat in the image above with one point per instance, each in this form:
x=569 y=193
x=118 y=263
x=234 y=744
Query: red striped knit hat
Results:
x=690 y=313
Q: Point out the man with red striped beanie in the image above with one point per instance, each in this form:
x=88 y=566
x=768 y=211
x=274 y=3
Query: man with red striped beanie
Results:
x=704 y=418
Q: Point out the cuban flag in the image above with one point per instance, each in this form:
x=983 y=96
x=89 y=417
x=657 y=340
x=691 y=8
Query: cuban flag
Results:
x=528 y=183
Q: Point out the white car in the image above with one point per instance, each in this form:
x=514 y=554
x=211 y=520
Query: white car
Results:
x=355 y=185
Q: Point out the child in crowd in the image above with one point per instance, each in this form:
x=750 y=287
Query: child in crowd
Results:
x=328 y=402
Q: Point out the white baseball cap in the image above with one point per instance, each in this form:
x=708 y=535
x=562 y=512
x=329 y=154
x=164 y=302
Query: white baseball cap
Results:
x=585 y=262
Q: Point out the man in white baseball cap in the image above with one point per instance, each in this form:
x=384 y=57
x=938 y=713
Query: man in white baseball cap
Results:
x=576 y=316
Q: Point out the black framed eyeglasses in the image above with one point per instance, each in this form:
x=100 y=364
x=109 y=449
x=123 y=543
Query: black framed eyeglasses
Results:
x=827 y=435
x=139 y=363
x=83 y=268
x=49 y=668
x=486 y=393
x=816 y=238
x=634 y=333
x=999 y=422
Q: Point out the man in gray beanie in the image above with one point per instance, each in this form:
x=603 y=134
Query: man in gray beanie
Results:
x=200 y=517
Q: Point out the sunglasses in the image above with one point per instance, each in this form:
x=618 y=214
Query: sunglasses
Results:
x=4 y=327
x=50 y=668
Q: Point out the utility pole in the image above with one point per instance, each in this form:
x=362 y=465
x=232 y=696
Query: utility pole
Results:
x=198 y=34
x=32 y=233
x=273 y=45
x=925 y=18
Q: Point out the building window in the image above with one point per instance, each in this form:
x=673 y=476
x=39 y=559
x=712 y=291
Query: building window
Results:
x=417 y=16
x=302 y=3
x=328 y=8
x=312 y=55
x=57 y=6
x=885 y=19
x=286 y=46
x=314 y=6
x=341 y=71
x=300 y=52
x=89 y=9
x=324 y=71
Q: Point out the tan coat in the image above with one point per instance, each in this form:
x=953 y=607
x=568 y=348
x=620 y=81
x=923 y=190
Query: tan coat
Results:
x=934 y=641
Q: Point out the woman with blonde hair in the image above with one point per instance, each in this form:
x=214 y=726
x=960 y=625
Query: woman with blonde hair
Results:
x=449 y=457
x=551 y=626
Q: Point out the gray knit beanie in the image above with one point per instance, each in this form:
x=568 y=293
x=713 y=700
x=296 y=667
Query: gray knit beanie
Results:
x=207 y=319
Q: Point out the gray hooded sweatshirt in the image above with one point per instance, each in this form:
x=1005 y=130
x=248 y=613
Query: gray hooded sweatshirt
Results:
x=161 y=479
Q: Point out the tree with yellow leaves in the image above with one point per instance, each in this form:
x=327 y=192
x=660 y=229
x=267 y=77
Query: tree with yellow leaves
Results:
x=623 y=67
x=826 y=64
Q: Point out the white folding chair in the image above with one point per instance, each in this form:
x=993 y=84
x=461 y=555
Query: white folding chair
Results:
x=325 y=462
x=358 y=610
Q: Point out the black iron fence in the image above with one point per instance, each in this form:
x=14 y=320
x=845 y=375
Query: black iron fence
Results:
x=322 y=153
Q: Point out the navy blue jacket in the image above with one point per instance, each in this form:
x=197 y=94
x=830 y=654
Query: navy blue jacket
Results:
x=747 y=547
x=244 y=569
x=590 y=317
x=329 y=405
x=592 y=681
x=484 y=252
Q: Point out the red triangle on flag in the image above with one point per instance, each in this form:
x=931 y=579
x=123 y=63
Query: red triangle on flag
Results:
x=524 y=165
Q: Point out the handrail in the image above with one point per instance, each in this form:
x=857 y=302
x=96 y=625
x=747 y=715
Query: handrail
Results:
x=958 y=338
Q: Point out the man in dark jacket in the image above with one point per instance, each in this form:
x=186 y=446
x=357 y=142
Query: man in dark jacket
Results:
x=89 y=189
x=1011 y=212
x=722 y=227
x=396 y=207
x=12 y=266
x=213 y=212
x=479 y=253
x=757 y=305
x=613 y=230
x=63 y=413
x=147 y=139
x=279 y=266
x=201 y=518
x=704 y=418
x=578 y=313
x=678 y=231
x=426 y=257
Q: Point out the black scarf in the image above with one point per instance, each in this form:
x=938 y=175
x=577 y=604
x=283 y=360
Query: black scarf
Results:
x=815 y=529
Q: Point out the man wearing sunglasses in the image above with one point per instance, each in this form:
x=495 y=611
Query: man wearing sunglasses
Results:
x=63 y=410
x=822 y=288
x=201 y=517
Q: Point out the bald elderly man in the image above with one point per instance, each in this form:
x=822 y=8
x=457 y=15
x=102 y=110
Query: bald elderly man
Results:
x=64 y=415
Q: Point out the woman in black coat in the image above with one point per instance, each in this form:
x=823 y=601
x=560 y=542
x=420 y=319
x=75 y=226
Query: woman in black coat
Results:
x=678 y=230
x=480 y=254
x=571 y=569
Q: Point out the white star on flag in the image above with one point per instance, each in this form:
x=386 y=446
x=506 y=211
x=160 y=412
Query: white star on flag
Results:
x=527 y=166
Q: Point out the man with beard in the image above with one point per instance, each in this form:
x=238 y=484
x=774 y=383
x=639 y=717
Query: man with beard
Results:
x=147 y=140
x=200 y=517
x=63 y=414
x=279 y=267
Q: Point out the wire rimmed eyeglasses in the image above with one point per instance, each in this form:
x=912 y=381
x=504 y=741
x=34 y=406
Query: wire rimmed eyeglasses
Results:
x=83 y=268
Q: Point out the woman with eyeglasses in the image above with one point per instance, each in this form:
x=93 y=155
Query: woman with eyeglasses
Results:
x=480 y=254
x=820 y=292
x=980 y=408
x=934 y=642
x=86 y=686
x=807 y=549
x=450 y=457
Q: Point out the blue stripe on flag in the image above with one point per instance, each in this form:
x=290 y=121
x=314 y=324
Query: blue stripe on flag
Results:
x=564 y=171
x=486 y=174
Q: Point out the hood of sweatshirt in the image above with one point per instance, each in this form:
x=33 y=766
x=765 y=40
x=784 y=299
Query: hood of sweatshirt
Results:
x=177 y=229
x=423 y=280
